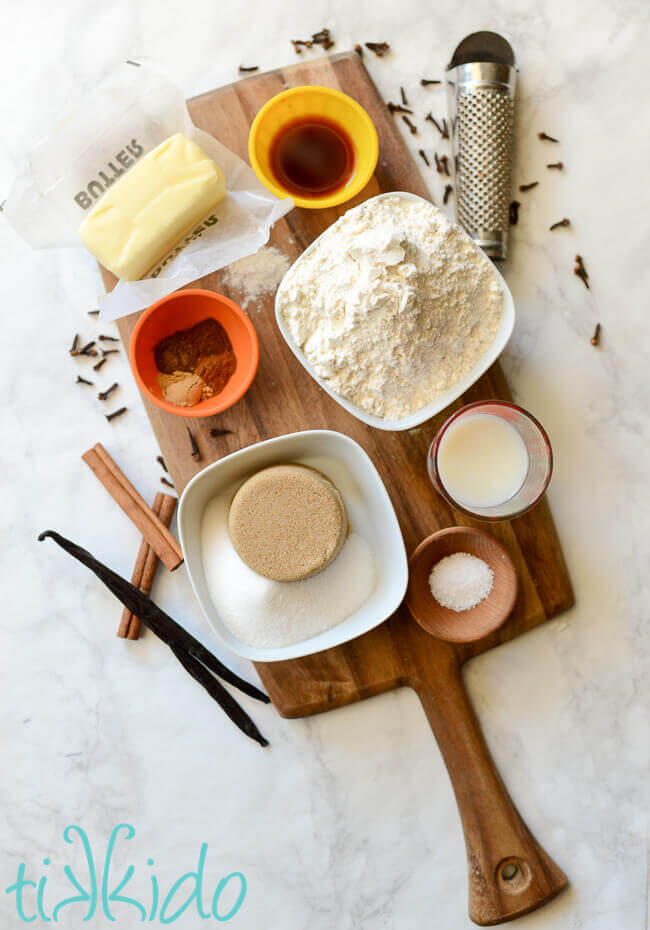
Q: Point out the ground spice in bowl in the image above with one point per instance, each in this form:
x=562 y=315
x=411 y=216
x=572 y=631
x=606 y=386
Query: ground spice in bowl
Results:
x=195 y=364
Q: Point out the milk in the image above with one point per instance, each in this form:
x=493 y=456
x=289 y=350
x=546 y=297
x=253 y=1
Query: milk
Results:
x=482 y=460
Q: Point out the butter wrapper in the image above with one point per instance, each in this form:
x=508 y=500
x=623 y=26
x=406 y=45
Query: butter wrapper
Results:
x=127 y=115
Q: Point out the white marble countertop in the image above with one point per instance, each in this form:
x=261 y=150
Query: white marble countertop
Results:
x=348 y=821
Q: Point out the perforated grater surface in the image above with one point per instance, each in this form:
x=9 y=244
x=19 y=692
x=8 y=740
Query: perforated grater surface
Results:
x=480 y=94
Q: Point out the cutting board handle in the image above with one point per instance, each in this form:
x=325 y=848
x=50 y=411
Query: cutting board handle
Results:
x=509 y=872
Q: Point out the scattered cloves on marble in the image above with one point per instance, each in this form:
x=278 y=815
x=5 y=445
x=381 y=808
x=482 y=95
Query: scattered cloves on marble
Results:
x=556 y=164
x=564 y=222
x=379 y=48
x=398 y=108
x=166 y=481
x=444 y=162
x=514 y=212
x=87 y=349
x=423 y=156
x=426 y=82
x=438 y=162
x=248 y=69
x=93 y=313
x=546 y=138
x=402 y=94
x=161 y=462
x=108 y=339
x=581 y=272
x=115 y=413
x=442 y=129
x=447 y=194
x=104 y=395
x=99 y=364
x=75 y=343
x=322 y=37
x=106 y=352
x=81 y=380
x=413 y=128
x=528 y=187
x=195 y=452
x=595 y=339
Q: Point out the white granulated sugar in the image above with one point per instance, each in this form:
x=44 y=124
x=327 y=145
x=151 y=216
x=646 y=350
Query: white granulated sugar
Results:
x=269 y=614
x=461 y=581
x=257 y=274
x=392 y=306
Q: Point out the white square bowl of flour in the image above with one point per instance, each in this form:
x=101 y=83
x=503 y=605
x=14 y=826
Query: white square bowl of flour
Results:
x=269 y=621
x=394 y=311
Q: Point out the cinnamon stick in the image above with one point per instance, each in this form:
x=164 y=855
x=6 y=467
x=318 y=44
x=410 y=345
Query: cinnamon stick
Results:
x=166 y=547
x=146 y=564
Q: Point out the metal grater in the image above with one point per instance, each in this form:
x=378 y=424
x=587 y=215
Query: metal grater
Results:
x=481 y=96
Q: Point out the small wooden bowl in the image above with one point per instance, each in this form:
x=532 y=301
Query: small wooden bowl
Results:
x=468 y=625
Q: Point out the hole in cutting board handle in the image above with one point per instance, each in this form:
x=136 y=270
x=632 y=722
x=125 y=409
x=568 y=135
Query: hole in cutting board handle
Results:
x=513 y=875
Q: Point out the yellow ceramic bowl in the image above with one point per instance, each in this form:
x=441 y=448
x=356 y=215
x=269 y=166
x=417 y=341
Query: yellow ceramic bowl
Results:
x=291 y=105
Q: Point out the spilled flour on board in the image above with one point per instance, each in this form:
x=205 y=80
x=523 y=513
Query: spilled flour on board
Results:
x=256 y=275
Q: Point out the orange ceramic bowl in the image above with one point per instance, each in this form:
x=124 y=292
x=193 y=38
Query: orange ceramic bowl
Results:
x=179 y=311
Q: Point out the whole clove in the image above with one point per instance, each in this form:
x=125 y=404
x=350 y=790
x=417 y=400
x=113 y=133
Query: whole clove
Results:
x=106 y=352
x=444 y=162
x=402 y=94
x=514 y=212
x=581 y=272
x=447 y=194
x=104 y=395
x=442 y=129
x=546 y=138
x=398 y=108
x=556 y=164
x=528 y=187
x=99 y=364
x=75 y=343
x=81 y=380
x=322 y=38
x=198 y=661
x=84 y=350
x=220 y=432
x=595 y=339
x=108 y=338
x=423 y=156
x=427 y=82
x=115 y=413
x=196 y=454
x=93 y=313
x=248 y=69
x=379 y=48
x=439 y=168
x=161 y=462
x=358 y=50
x=413 y=128
x=564 y=222
x=167 y=482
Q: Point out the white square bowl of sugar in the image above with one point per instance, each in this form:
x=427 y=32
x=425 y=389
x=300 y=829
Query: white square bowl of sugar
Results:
x=224 y=586
x=472 y=261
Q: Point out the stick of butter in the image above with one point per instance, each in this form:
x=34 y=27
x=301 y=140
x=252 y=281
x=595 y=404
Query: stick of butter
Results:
x=152 y=207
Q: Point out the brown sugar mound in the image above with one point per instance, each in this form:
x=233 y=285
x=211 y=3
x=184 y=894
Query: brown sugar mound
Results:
x=182 y=351
x=287 y=522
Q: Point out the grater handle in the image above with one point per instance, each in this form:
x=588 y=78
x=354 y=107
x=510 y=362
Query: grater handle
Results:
x=509 y=872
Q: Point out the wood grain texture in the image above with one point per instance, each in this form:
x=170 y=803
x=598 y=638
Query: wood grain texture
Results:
x=283 y=399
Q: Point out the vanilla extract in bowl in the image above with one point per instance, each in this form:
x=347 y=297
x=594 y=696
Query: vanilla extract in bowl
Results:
x=312 y=156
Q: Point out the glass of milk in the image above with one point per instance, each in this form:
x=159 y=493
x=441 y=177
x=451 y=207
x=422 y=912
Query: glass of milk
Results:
x=491 y=460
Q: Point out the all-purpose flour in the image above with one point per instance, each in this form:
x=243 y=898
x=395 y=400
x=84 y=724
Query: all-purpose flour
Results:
x=393 y=305
x=268 y=614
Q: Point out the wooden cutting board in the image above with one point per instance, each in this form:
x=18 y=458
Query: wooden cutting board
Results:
x=284 y=399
